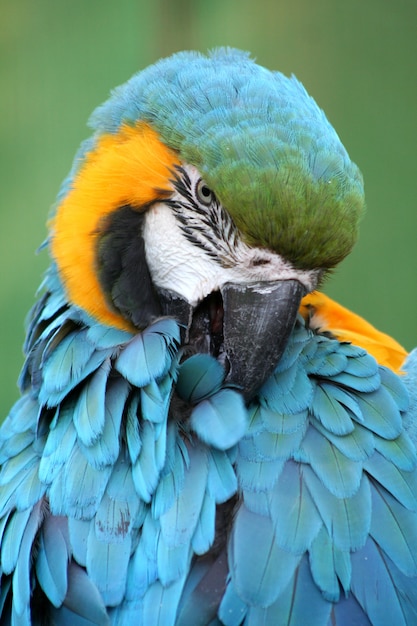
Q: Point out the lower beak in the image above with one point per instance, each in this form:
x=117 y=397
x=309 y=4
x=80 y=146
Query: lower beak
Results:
x=255 y=323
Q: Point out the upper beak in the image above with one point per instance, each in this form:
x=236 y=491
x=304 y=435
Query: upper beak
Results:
x=257 y=320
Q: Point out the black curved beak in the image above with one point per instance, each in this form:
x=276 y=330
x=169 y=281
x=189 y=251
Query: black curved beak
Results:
x=257 y=322
x=246 y=326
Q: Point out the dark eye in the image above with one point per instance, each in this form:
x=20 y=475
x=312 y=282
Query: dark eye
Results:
x=203 y=193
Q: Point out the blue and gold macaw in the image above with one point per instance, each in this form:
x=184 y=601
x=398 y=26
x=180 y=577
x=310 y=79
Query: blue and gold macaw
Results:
x=202 y=437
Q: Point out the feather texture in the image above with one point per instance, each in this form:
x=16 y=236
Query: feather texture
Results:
x=138 y=485
x=324 y=466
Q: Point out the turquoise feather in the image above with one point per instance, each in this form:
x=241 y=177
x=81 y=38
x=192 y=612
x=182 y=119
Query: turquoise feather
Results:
x=220 y=420
x=221 y=479
x=302 y=604
x=294 y=514
x=83 y=605
x=54 y=556
x=89 y=412
x=268 y=568
x=199 y=377
x=371 y=579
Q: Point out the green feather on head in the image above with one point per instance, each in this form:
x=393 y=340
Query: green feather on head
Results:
x=263 y=145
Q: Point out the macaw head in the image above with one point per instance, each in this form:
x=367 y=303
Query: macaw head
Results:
x=214 y=191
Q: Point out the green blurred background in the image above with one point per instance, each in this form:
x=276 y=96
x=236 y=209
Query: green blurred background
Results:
x=60 y=58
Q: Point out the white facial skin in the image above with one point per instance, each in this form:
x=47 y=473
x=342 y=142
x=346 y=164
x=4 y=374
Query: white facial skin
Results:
x=183 y=266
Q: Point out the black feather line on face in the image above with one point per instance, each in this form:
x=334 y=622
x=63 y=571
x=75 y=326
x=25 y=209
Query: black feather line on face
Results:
x=122 y=268
x=209 y=227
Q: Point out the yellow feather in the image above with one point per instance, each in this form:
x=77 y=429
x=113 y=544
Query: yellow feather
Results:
x=327 y=315
x=131 y=167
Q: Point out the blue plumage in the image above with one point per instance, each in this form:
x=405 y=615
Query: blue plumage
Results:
x=313 y=484
x=140 y=482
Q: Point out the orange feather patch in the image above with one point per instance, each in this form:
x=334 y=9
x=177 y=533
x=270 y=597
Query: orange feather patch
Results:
x=131 y=167
x=326 y=315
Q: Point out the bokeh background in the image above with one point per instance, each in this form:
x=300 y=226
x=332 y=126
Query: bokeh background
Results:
x=60 y=58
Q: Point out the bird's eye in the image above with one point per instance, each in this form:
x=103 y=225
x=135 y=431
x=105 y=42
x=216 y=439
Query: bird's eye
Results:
x=203 y=193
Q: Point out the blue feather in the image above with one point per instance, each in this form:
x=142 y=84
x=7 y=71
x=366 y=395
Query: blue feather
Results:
x=89 y=414
x=83 y=605
x=160 y=604
x=103 y=337
x=80 y=489
x=155 y=400
x=148 y=355
x=65 y=363
x=410 y=382
x=120 y=487
x=282 y=381
x=339 y=474
x=53 y=557
x=179 y=522
x=293 y=511
x=59 y=444
x=373 y=587
x=172 y=476
x=282 y=423
x=396 y=387
x=363 y=365
x=407 y=591
x=172 y=561
x=401 y=484
x=327 y=409
x=21 y=578
x=347 y=400
x=329 y=565
x=220 y=420
x=297 y=398
x=104 y=451
x=22 y=419
x=18 y=466
x=357 y=382
x=12 y=540
x=146 y=471
x=300 y=603
x=232 y=609
x=347 y=612
x=356 y=446
x=382 y=414
x=51 y=394
x=400 y=451
x=394 y=529
x=142 y=570
x=31 y=490
x=347 y=518
x=331 y=363
x=199 y=377
x=221 y=479
x=270 y=446
x=104 y=558
x=260 y=570
x=127 y=613
x=204 y=533
x=258 y=476
x=79 y=530
x=133 y=438
x=15 y=445
x=203 y=591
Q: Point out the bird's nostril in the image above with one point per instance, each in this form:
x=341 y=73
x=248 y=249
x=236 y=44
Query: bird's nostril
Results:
x=259 y=261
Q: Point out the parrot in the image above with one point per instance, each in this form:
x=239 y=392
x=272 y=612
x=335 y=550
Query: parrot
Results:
x=203 y=437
